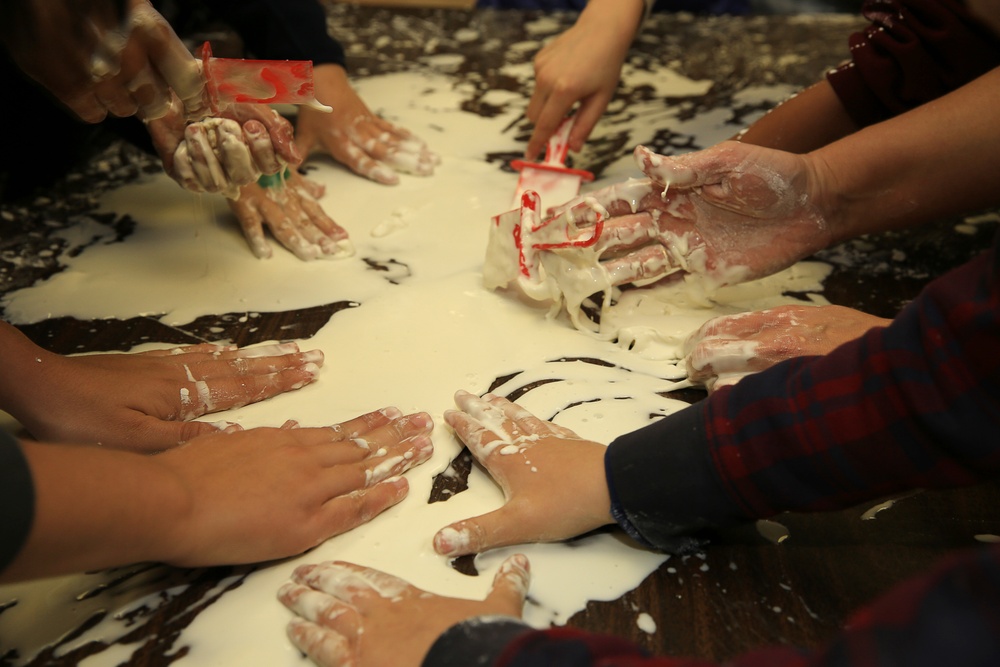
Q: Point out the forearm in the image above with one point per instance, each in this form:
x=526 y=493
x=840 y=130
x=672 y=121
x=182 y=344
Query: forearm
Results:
x=915 y=404
x=809 y=120
x=910 y=405
x=937 y=160
x=95 y=508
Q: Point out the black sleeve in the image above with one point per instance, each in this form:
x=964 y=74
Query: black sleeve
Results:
x=17 y=499
x=281 y=29
x=477 y=641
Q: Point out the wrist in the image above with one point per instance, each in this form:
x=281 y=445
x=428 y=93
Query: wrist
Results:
x=126 y=500
x=26 y=363
x=615 y=18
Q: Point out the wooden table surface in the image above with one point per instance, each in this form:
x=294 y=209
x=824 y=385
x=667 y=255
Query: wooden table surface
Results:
x=744 y=590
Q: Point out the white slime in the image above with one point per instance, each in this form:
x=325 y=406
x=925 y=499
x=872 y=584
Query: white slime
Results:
x=411 y=344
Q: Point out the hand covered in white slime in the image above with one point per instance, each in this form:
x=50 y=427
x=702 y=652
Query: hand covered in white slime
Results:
x=553 y=481
x=727 y=348
x=268 y=493
x=347 y=614
x=732 y=213
x=368 y=145
x=288 y=207
x=725 y=215
x=147 y=401
x=224 y=153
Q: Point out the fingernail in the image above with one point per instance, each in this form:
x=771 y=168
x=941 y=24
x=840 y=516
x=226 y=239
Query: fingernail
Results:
x=313 y=371
x=315 y=356
x=392 y=412
x=424 y=446
x=224 y=425
x=269 y=350
x=422 y=420
x=449 y=541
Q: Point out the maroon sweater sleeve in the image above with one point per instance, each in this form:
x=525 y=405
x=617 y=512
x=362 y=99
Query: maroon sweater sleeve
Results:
x=913 y=51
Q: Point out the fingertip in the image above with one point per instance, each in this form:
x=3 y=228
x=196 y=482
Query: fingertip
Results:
x=224 y=426
x=451 y=541
x=423 y=421
x=391 y=412
x=285 y=591
x=513 y=579
x=517 y=567
x=301 y=572
x=314 y=356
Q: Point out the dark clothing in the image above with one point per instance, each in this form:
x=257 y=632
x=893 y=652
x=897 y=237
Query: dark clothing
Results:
x=912 y=405
x=270 y=29
x=51 y=140
x=17 y=499
x=914 y=51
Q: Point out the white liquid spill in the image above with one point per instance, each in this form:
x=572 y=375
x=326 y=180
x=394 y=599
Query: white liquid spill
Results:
x=410 y=344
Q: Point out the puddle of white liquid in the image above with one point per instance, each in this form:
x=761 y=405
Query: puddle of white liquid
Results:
x=410 y=344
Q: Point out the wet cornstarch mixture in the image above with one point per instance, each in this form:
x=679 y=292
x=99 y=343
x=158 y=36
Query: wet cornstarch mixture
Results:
x=412 y=342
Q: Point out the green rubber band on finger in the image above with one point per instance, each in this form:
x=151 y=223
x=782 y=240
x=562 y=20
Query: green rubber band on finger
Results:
x=274 y=180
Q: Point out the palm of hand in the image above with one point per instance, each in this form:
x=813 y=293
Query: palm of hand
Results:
x=730 y=213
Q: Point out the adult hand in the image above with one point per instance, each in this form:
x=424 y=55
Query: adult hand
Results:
x=354 y=136
x=553 y=481
x=145 y=401
x=288 y=207
x=224 y=153
x=581 y=65
x=96 y=61
x=269 y=493
x=352 y=615
x=732 y=213
x=727 y=348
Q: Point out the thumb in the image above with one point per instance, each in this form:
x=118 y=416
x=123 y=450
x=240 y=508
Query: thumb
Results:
x=510 y=585
x=305 y=139
x=701 y=168
x=665 y=169
x=478 y=534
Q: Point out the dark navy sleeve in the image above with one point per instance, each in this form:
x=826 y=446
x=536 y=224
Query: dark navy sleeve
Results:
x=663 y=484
x=282 y=29
x=913 y=51
x=17 y=499
x=477 y=641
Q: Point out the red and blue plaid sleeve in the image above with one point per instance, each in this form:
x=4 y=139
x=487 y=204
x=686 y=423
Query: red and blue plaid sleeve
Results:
x=915 y=404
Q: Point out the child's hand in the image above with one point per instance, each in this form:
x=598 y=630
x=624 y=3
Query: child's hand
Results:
x=553 y=480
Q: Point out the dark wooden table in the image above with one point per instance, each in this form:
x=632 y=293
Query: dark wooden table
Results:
x=744 y=590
